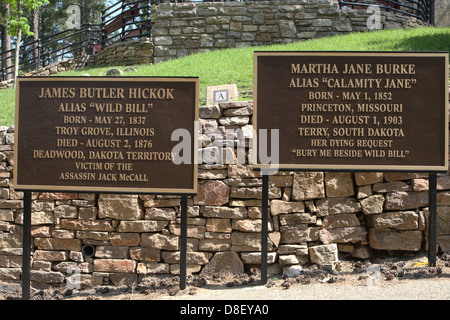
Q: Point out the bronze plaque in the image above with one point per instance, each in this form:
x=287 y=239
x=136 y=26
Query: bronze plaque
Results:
x=104 y=134
x=353 y=110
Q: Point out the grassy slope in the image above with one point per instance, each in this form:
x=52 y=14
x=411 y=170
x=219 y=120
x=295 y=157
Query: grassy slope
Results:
x=236 y=65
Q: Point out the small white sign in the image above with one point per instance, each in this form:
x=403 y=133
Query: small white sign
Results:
x=222 y=93
x=221 y=96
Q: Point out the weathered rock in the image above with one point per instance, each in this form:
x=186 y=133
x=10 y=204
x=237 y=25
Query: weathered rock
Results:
x=391 y=187
x=8 y=240
x=47 y=277
x=10 y=274
x=50 y=255
x=224 y=212
x=141 y=226
x=255 y=257
x=297 y=218
x=362 y=253
x=286 y=260
x=444 y=243
x=115 y=265
x=212 y=193
x=382 y=239
x=403 y=220
x=114 y=72
x=366 y=178
x=298 y=233
x=145 y=254
x=58 y=244
x=152 y=268
x=91 y=225
x=345 y=234
x=339 y=184
x=292 y=271
x=330 y=206
x=159 y=241
x=308 y=185
x=442 y=220
x=341 y=220
x=111 y=252
x=254 y=193
x=245 y=241
x=242 y=171
x=93 y=235
x=121 y=207
x=372 y=204
x=160 y=214
x=124 y=239
x=194 y=258
x=278 y=206
x=324 y=254
x=209 y=112
x=38 y=218
x=228 y=262
x=218 y=225
x=247 y=225
x=214 y=245
x=405 y=200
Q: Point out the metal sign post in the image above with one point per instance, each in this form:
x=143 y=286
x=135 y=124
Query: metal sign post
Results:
x=183 y=243
x=26 y=243
x=432 y=207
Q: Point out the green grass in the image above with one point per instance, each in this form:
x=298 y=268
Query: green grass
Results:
x=7 y=99
x=236 y=65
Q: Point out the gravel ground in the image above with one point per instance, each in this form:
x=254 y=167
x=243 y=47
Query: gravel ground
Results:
x=383 y=279
x=419 y=289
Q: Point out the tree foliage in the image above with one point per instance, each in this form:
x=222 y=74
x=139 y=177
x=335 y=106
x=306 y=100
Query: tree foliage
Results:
x=17 y=20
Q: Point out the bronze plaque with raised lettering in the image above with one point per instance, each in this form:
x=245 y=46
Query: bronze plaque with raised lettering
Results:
x=352 y=110
x=102 y=134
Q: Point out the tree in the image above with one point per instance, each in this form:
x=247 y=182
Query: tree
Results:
x=5 y=38
x=18 y=24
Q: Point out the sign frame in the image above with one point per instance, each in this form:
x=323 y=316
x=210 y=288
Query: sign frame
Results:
x=310 y=166
x=103 y=189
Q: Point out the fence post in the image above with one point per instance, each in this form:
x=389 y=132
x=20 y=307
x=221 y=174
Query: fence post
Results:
x=103 y=30
x=122 y=36
x=38 y=58
x=149 y=19
x=88 y=38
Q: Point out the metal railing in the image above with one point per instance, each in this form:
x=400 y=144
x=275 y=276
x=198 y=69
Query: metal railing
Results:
x=51 y=49
x=420 y=9
x=125 y=20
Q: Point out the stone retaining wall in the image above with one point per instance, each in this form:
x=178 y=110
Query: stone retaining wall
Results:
x=313 y=216
x=183 y=28
x=126 y=53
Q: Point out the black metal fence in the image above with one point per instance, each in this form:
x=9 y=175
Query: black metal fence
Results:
x=127 y=19
x=420 y=9
x=51 y=49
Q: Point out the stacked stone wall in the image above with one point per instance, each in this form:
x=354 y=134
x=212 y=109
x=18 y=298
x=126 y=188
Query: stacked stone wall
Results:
x=139 y=51
x=355 y=215
x=184 y=28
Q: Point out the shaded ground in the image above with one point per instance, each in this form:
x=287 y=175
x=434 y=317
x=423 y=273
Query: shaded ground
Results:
x=347 y=276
